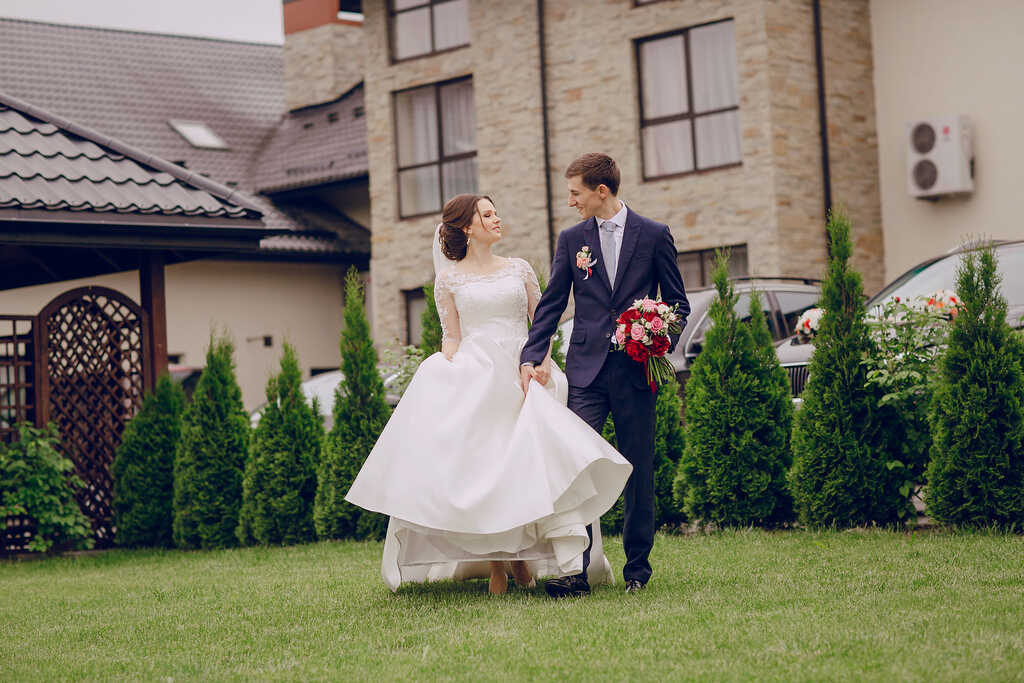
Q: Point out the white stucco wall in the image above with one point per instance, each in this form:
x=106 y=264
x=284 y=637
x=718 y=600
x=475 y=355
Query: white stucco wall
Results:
x=940 y=57
x=297 y=302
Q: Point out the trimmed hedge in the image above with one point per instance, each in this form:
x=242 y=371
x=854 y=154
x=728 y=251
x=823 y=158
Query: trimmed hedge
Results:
x=211 y=456
x=738 y=421
x=976 y=474
x=280 y=477
x=143 y=469
x=840 y=475
x=360 y=413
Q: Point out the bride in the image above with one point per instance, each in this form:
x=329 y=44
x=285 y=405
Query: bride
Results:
x=477 y=478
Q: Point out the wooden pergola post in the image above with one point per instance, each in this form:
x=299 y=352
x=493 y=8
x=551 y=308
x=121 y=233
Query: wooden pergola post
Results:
x=154 y=303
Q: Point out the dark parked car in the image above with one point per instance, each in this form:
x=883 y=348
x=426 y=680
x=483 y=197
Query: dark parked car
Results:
x=784 y=300
x=921 y=280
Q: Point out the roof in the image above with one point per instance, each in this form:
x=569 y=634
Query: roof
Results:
x=315 y=145
x=130 y=85
x=52 y=164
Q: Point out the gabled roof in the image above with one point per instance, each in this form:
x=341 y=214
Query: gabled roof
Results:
x=131 y=85
x=52 y=164
x=315 y=145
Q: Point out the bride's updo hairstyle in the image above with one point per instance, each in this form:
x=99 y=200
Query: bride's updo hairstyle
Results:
x=456 y=217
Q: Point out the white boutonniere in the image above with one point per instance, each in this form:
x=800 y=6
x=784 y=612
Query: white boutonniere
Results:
x=585 y=261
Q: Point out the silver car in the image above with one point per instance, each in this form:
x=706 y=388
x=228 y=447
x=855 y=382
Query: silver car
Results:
x=921 y=280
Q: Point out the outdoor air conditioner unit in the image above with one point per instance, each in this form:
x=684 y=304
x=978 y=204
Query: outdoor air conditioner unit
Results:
x=940 y=157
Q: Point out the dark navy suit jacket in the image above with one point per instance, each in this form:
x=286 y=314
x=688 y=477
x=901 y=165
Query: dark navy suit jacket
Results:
x=647 y=262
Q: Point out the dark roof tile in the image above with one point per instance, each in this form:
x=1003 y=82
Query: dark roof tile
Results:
x=78 y=174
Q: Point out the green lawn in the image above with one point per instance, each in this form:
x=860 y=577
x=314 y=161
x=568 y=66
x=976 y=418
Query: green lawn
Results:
x=732 y=605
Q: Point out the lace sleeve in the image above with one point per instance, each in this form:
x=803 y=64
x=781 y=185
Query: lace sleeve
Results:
x=532 y=287
x=444 y=298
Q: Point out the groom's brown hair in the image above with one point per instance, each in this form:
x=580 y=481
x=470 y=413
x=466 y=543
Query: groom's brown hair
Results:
x=596 y=169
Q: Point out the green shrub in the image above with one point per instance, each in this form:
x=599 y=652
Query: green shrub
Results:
x=976 y=475
x=738 y=421
x=840 y=475
x=143 y=469
x=36 y=481
x=430 y=321
x=360 y=413
x=668 y=446
x=280 y=477
x=211 y=456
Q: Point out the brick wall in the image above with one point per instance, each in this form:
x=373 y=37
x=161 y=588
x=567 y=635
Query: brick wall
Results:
x=773 y=201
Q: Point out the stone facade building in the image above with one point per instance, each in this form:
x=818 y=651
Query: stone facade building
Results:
x=646 y=82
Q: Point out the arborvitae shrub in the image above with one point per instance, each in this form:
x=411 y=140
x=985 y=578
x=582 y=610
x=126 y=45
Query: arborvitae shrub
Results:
x=840 y=476
x=360 y=413
x=211 y=456
x=976 y=475
x=143 y=469
x=280 y=477
x=430 y=339
x=738 y=420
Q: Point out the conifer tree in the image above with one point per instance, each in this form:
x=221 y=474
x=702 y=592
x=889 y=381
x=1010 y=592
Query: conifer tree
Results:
x=738 y=418
x=360 y=413
x=211 y=456
x=430 y=339
x=840 y=475
x=143 y=469
x=976 y=474
x=280 y=477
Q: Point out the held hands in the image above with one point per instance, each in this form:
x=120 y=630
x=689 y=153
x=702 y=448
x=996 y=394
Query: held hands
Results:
x=541 y=373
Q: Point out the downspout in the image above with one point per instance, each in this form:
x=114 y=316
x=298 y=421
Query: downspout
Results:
x=544 y=127
x=826 y=172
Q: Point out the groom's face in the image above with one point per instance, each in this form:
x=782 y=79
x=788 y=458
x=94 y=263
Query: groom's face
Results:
x=586 y=201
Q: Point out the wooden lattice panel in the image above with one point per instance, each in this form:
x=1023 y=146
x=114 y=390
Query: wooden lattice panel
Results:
x=17 y=389
x=96 y=345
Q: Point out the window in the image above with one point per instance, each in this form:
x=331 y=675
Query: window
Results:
x=415 y=304
x=198 y=134
x=696 y=266
x=423 y=27
x=435 y=131
x=792 y=305
x=689 y=100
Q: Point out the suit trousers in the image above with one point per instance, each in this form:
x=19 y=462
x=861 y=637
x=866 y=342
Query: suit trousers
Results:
x=620 y=389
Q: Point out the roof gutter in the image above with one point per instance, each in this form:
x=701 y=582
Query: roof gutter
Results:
x=544 y=126
x=826 y=171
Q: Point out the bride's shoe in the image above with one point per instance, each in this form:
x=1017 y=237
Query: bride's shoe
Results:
x=522 y=575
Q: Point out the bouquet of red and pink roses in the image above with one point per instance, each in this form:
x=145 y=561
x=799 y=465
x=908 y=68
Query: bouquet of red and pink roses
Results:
x=643 y=332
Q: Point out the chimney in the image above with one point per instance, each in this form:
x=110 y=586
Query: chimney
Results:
x=323 y=50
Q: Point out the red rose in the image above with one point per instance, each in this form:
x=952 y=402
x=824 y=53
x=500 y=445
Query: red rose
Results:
x=637 y=351
x=659 y=346
x=650 y=315
x=629 y=315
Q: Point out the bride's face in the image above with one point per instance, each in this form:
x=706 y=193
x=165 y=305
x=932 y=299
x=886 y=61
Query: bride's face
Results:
x=486 y=226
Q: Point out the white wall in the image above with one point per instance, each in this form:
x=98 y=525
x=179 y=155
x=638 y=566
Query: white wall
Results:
x=938 y=57
x=297 y=302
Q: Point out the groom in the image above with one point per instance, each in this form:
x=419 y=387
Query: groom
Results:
x=630 y=257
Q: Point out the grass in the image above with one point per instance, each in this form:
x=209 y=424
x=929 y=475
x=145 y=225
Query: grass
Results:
x=732 y=605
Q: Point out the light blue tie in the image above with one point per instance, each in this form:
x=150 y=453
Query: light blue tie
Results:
x=611 y=257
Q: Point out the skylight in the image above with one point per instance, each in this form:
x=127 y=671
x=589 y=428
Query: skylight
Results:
x=198 y=134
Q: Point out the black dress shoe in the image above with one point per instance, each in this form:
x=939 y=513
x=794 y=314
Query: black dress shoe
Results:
x=568 y=587
x=634 y=586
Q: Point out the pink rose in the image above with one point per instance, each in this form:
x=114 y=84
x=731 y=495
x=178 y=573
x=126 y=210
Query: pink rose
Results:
x=620 y=335
x=649 y=305
x=637 y=331
x=657 y=324
x=581 y=262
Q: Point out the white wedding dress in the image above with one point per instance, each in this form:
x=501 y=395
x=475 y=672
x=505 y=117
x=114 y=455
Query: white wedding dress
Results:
x=470 y=470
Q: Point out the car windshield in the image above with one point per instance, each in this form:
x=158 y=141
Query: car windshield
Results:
x=941 y=274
